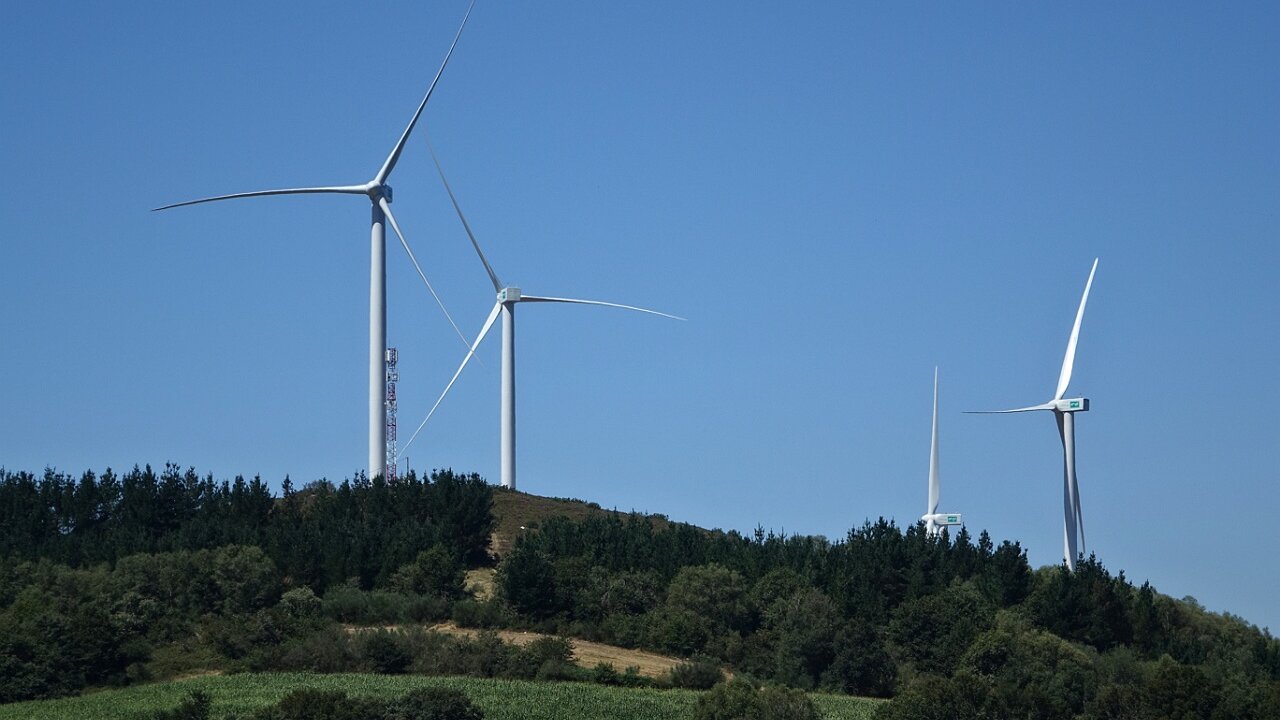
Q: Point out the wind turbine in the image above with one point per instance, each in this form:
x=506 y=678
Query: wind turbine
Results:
x=1064 y=411
x=379 y=194
x=934 y=521
x=507 y=298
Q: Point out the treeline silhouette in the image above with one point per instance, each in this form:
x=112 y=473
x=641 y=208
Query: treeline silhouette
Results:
x=320 y=535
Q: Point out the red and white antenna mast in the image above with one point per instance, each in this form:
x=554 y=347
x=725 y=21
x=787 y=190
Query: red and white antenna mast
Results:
x=392 y=376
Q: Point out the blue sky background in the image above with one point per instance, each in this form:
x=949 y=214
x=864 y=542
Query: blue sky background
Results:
x=838 y=197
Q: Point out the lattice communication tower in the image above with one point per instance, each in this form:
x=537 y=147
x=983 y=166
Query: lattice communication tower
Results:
x=392 y=376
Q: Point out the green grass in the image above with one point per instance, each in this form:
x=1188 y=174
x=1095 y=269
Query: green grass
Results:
x=513 y=509
x=500 y=699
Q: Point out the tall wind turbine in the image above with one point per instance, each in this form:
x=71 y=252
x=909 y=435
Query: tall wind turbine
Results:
x=1064 y=411
x=379 y=194
x=934 y=521
x=505 y=305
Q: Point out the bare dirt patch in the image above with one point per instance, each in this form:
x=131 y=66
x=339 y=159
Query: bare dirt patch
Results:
x=586 y=653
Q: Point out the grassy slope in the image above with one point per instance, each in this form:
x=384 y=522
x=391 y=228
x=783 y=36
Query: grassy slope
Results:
x=513 y=509
x=500 y=699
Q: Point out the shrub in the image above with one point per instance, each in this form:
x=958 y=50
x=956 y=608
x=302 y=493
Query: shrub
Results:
x=194 y=707
x=244 y=578
x=300 y=604
x=426 y=609
x=627 y=631
x=550 y=648
x=739 y=700
x=605 y=674
x=169 y=661
x=734 y=700
x=553 y=670
x=782 y=703
x=697 y=673
x=325 y=651
x=480 y=614
x=388 y=607
x=433 y=653
x=631 y=677
x=963 y=697
x=434 y=572
x=346 y=604
x=526 y=580
x=435 y=704
x=385 y=652
x=312 y=704
x=229 y=637
x=485 y=655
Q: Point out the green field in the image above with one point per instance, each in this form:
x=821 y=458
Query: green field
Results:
x=500 y=699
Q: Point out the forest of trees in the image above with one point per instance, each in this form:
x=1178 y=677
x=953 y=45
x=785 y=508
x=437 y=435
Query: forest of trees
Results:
x=108 y=579
x=950 y=628
x=317 y=536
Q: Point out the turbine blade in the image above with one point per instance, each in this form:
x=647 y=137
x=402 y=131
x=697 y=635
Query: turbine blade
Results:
x=1075 y=486
x=386 y=210
x=342 y=189
x=1069 y=360
x=1079 y=517
x=493 y=277
x=935 y=489
x=536 y=298
x=394 y=157
x=493 y=315
x=1045 y=406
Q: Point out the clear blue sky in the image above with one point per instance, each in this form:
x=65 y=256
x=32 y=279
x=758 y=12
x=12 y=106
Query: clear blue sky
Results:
x=838 y=197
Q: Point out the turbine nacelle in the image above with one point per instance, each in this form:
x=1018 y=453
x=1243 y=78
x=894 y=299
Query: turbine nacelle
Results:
x=942 y=519
x=509 y=294
x=1071 y=405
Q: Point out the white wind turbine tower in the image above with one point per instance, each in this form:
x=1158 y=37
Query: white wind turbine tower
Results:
x=506 y=305
x=1064 y=411
x=379 y=194
x=934 y=521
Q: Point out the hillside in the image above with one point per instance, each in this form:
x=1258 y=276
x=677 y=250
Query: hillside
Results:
x=112 y=580
x=514 y=511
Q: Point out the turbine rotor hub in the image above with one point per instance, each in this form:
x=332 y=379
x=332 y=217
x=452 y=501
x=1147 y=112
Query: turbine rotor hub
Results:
x=377 y=191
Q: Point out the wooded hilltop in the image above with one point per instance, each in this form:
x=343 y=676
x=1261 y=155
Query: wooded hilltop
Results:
x=118 y=579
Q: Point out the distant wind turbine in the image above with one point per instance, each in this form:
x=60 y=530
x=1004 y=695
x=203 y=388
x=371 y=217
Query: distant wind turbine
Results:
x=934 y=521
x=379 y=194
x=1064 y=411
x=506 y=305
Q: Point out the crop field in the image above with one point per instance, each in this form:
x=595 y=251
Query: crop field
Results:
x=500 y=699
